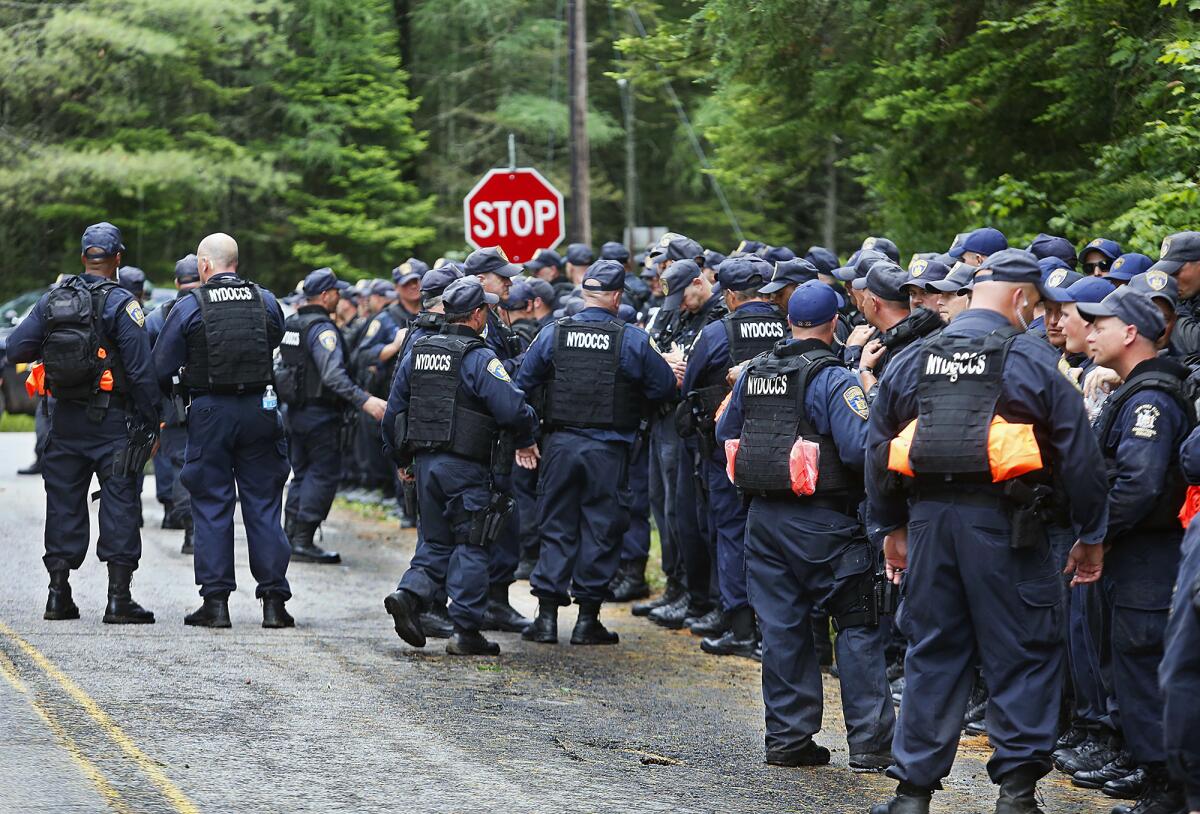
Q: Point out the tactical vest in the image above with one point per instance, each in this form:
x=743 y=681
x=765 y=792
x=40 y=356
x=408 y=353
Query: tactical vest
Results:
x=399 y=314
x=589 y=388
x=427 y=322
x=231 y=352
x=749 y=335
x=442 y=415
x=1164 y=515
x=77 y=351
x=298 y=379
x=957 y=391
x=775 y=416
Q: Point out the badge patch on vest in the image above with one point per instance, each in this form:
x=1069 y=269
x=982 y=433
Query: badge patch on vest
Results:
x=373 y=328
x=496 y=368
x=328 y=339
x=856 y=400
x=1145 y=416
x=135 y=313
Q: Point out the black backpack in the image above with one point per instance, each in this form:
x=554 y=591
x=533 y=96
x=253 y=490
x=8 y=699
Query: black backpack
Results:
x=75 y=352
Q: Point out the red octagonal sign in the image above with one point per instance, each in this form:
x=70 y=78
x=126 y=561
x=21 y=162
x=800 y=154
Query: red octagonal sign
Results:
x=517 y=210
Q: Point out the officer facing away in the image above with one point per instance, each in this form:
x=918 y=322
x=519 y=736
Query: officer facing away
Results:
x=222 y=336
x=968 y=537
x=90 y=336
x=1179 y=673
x=809 y=551
x=313 y=382
x=449 y=404
x=599 y=374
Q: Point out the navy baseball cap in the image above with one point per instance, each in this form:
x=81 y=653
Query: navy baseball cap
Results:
x=1177 y=249
x=615 y=251
x=861 y=265
x=1060 y=277
x=434 y=281
x=410 y=269
x=712 y=259
x=627 y=313
x=131 y=278
x=103 y=236
x=677 y=247
x=1049 y=264
x=675 y=281
x=1085 y=289
x=776 y=254
x=482 y=261
x=789 y=272
x=884 y=246
x=604 y=275
x=1157 y=285
x=541 y=290
x=748 y=247
x=959 y=279
x=1045 y=246
x=570 y=307
x=812 y=303
x=1128 y=266
x=824 y=260
x=1131 y=307
x=580 y=254
x=986 y=241
x=741 y=273
x=1010 y=266
x=466 y=294
x=544 y=259
x=1109 y=248
x=648 y=272
x=322 y=280
x=885 y=280
x=923 y=271
x=518 y=297
x=186 y=270
x=381 y=288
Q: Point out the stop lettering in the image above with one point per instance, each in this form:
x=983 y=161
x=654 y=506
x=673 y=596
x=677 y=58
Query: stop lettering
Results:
x=517 y=210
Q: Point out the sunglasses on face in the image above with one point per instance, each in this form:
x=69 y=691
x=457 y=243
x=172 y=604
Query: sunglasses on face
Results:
x=1102 y=265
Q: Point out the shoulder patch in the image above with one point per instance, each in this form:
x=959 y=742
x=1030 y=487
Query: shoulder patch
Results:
x=1144 y=418
x=135 y=313
x=328 y=339
x=856 y=400
x=373 y=328
x=496 y=368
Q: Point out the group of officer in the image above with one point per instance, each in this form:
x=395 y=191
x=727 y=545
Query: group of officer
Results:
x=916 y=455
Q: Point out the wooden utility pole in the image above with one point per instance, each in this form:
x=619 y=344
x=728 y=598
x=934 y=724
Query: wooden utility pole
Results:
x=831 y=195
x=630 y=164
x=581 y=201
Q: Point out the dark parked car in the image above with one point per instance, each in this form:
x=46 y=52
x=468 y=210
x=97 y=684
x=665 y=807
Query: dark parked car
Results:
x=12 y=379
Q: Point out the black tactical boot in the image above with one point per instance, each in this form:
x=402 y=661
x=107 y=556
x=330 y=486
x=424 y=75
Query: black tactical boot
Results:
x=59 y=604
x=122 y=610
x=1018 y=792
x=588 y=628
x=500 y=615
x=631 y=581
x=213 y=613
x=871 y=761
x=757 y=654
x=810 y=754
x=34 y=468
x=289 y=525
x=821 y=640
x=673 y=615
x=1095 y=751
x=672 y=593
x=275 y=613
x=188 y=545
x=305 y=550
x=435 y=621
x=908 y=800
x=171 y=519
x=1071 y=738
x=1162 y=795
x=1130 y=787
x=739 y=640
x=405 y=608
x=543 y=629
x=1115 y=769
x=973 y=721
x=471 y=643
x=525 y=568
x=714 y=623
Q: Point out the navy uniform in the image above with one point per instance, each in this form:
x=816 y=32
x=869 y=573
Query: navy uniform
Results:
x=371 y=374
x=600 y=375
x=222 y=336
x=751 y=328
x=449 y=403
x=409 y=272
x=322 y=400
x=810 y=553
x=1179 y=673
x=1140 y=429
x=173 y=439
x=90 y=335
x=963 y=560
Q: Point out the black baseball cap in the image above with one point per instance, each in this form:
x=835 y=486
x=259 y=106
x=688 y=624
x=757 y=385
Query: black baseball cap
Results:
x=580 y=254
x=1157 y=285
x=824 y=260
x=675 y=281
x=518 y=296
x=885 y=280
x=1177 y=249
x=776 y=254
x=604 y=275
x=132 y=279
x=884 y=246
x=103 y=236
x=322 y=280
x=712 y=259
x=543 y=259
x=923 y=271
x=958 y=280
x=614 y=251
x=985 y=240
x=1010 y=266
x=434 y=281
x=748 y=247
x=466 y=294
x=741 y=273
x=1045 y=245
x=789 y=272
x=861 y=265
x=483 y=261
x=1131 y=307
x=186 y=269
x=676 y=247
x=541 y=289
x=410 y=269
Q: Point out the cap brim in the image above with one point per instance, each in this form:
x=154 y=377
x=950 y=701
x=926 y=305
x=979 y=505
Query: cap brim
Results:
x=957 y=252
x=490 y=299
x=1122 y=276
x=859 y=283
x=846 y=273
x=1091 y=310
x=508 y=270
x=535 y=265
x=408 y=278
x=673 y=300
x=776 y=285
x=944 y=286
x=648 y=274
x=340 y=285
x=1059 y=295
x=1171 y=267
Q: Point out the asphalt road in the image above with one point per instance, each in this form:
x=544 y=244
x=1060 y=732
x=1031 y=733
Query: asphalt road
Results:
x=339 y=715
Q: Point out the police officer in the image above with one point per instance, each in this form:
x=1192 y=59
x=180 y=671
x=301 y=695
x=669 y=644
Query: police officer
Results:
x=637 y=293
x=1179 y=673
x=810 y=551
x=219 y=341
x=885 y=304
x=90 y=335
x=133 y=280
x=1140 y=429
x=599 y=374
x=373 y=362
x=977 y=245
x=971 y=553
x=449 y=402
x=313 y=382
x=752 y=326
x=173 y=439
x=407 y=277
x=1180 y=257
x=536 y=312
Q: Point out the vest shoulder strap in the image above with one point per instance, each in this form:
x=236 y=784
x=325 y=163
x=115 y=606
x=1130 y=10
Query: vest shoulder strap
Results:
x=1160 y=380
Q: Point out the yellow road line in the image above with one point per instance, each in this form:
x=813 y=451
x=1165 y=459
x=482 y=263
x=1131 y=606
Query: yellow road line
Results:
x=110 y=794
x=179 y=801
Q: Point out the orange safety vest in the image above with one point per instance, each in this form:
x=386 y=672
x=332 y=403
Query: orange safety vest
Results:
x=1012 y=450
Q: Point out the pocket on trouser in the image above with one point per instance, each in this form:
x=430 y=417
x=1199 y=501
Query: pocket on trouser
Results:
x=1041 y=601
x=1138 y=631
x=189 y=473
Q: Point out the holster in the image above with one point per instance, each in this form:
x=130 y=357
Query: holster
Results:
x=408 y=492
x=487 y=523
x=132 y=458
x=1029 y=505
x=857 y=602
x=402 y=454
x=178 y=403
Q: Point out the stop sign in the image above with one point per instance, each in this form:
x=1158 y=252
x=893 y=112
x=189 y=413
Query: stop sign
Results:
x=517 y=210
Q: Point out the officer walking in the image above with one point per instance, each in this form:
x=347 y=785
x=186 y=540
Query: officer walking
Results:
x=219 y=341
x=313 y=382
x=448 y=405
x=599 y=373
x=90 y=335
x=1179 y=673
x=805 y=548
x=966 y=536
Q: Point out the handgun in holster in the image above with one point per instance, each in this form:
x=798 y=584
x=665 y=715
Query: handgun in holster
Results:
x=1030 y=503
x=178 y=402
x=706 y=426
x=139 y=446
x=486 y=524
x=408 y=493
x=347 y=428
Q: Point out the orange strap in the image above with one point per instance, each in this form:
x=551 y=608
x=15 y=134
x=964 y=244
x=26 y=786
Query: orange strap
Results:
x=1191 y=505
x=35 y=382
x=1012 y=450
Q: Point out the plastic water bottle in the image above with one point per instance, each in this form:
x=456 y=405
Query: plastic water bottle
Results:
x=270 y=400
